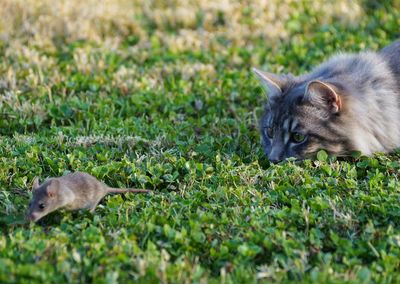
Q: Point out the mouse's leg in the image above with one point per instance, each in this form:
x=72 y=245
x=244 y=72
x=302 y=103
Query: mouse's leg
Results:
x=92 y=208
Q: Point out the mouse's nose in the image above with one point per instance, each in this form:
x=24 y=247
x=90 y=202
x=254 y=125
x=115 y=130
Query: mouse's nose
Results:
x=31 y=217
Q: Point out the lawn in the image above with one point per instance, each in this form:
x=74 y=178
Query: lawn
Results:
x=159 y=95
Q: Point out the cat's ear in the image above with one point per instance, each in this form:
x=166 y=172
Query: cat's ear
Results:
x=35 y=183
x=274 y=84
x=324 y=95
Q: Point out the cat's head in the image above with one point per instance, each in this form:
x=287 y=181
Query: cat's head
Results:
x=302 y=117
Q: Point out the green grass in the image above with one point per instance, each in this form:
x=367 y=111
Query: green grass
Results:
x=142 y=110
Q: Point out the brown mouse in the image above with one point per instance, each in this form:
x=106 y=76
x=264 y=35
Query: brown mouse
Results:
x=73 y=191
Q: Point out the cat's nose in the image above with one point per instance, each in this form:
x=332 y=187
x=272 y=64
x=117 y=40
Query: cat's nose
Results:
x=274 y=160
x=275 y=156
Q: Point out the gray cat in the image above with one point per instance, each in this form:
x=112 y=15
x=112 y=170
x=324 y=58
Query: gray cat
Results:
x=349 y=103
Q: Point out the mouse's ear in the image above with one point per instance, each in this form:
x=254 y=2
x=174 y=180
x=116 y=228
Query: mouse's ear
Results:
x=52 y=188
x=35 y=183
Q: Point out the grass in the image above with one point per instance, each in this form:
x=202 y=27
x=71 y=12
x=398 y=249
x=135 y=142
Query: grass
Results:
x=159 y=95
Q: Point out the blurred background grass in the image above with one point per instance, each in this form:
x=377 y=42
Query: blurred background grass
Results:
x=42 y=42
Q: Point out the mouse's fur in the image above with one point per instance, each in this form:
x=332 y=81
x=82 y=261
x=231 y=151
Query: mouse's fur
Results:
x=73 y=192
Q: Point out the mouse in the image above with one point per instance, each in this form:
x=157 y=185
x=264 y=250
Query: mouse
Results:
x=73 y=191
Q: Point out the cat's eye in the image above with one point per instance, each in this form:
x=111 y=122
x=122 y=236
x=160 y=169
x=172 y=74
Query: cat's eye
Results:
x=298 y=137
x=41 y=206
x=270 y=132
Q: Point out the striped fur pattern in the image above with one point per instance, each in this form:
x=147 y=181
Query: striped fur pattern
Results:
x=349 y=103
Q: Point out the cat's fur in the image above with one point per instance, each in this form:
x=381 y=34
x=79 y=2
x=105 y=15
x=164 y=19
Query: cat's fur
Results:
x=349 y=103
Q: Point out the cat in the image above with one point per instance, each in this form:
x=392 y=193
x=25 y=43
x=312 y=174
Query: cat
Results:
x=349 y=103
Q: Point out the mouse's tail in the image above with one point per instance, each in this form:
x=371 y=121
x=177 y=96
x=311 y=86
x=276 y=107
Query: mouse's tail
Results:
x=127 y=190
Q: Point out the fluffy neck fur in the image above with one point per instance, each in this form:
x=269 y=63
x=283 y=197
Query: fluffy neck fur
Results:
x=369 y=89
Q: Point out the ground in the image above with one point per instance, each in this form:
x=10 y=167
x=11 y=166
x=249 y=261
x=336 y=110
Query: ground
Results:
x=159 y=95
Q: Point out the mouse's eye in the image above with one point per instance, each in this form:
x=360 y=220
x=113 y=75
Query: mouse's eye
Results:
x=41 y=206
